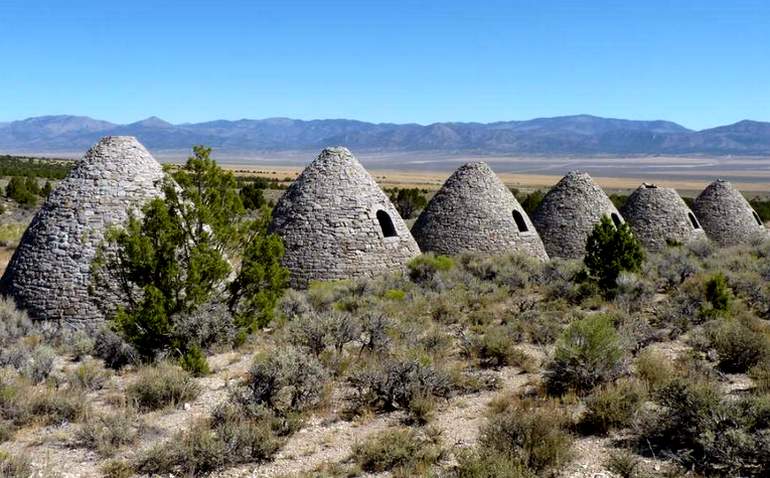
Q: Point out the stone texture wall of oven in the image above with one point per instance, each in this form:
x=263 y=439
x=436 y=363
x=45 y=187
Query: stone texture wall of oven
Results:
x=50 y=272
x=568 y=214
x=475 y=212
x=330 y=222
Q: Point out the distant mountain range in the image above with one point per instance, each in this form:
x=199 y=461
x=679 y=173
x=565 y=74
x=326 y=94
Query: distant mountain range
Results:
x=566 y=135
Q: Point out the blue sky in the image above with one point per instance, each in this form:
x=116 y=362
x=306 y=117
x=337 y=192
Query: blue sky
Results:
x=700 y=63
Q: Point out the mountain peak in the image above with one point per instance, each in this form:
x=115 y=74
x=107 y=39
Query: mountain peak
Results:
x=153 y=122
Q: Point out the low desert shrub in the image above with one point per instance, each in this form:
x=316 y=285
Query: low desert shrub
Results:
x=117 y=469
x=654 y=369
x=587 y=354
x=671 y=267
x=161 y=385
x=495 y=348
x=31 y=360
x=534 y=436
x=14 y=323
x=708 y=433
x=107 y=432
x=760 y=374
x=116 y=352
x=613 y=406
x=489 y=464
x=206 y=327
x=401 y=450
x=624 y=464
x=423 y=268
x=14 y=465
x=284 y=382
x=318 y=331
x=89 y=375
x=228 y=439
x=391 y=383
x=738 y=346
x=53 y=406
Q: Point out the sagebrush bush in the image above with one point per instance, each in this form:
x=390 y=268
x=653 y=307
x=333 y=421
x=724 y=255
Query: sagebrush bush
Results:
x=285 y=382
x=391 y=383
x=14 y=466
x=671 y=267
x=117 y=469
x=613 y=406
x=161 y=385
x=51 y=406
x=490 y=464
x=116 y=352
x=400 y=449
x=587 y=354
x=89 y=375
x=760 y=374
x=708 y=433
x=14 y=323
x=535 y=437
x=30 y=360
x=623 y=463
x=424 y=268
x=107 y=432
x=228 y=439
x=495 y=348
x=738 y=346
x=208 y=326
x=654 y=368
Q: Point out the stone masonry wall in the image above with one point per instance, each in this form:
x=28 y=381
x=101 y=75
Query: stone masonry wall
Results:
x=49 y=274
x=568 y=214
x=473 y=212
x=726 y=216
x=658 y=216
x=328 y=221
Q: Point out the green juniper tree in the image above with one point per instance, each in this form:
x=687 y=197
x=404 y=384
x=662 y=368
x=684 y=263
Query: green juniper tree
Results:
x=610 y=250
x=173 y=259
x=408 y=201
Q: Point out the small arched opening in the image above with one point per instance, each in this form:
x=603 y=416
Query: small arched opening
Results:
x=757 y=218
x=615 y=219
x=693 y=221
x=521 y=224
x=386 y=224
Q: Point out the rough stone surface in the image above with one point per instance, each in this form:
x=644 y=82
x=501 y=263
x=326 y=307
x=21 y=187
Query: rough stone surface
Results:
x=49 y=274
x=328 y=221
x=659 y=216
x=726 y=216
x=474 y=212
x=568 y=214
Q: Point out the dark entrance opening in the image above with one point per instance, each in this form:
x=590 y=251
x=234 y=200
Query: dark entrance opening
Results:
x=521 y=224
x=756 y=218
x=694 y=221
x=386 y=224
x=615 y=219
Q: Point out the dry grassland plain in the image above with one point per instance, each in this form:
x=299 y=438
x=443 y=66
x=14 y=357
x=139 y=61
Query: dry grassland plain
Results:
x=689 y=175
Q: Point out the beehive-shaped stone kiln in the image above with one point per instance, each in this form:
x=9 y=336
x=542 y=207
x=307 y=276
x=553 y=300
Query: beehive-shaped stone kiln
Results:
x=658 y=216
x=50 y=272
x=726 y=216
x=569 y=212
x=475 y=212
x=336 y=223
